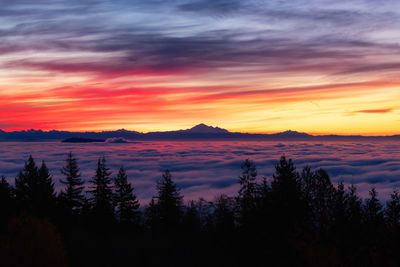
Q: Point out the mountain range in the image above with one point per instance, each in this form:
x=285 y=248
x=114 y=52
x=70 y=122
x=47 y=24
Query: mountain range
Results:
x=198 y=132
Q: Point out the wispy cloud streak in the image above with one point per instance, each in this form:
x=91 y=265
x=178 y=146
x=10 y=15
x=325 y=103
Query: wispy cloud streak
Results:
x=212 y=56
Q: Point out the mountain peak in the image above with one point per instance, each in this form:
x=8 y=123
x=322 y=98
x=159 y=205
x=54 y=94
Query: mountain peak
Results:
x=203 y=128
x=290 y=133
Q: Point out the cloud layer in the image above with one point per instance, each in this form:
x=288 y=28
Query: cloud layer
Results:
x=206 y=169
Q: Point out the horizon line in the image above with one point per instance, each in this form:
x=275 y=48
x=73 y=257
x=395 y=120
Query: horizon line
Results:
x=316 y=134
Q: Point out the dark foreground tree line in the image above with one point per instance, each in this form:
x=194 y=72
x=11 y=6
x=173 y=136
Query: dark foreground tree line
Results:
x=293 y=219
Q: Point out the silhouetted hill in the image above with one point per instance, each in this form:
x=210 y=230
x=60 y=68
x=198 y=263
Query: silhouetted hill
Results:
x=198 y=132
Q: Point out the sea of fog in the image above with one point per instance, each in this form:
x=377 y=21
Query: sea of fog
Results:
x=208 y=168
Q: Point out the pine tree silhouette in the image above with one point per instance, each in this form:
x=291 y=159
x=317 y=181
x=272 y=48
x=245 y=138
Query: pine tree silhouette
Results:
x=126 y=202
x=339 y=217
x=101 y=192
x=288 y=202
x=6 y=201
x=72 y=195
x=373 y=210
x=264 y=189
x=392 y=211
x=191 y=219
x=169 y=202
x=323 y=199
x=34 y=188
x=308 y=187
x=262 y=217
x=47 y=195
x=223 y=214
x=308 y=183
x=5 y=189
x=286 y=181
x=248 y=193
x=26 y=184
x=353 y=209
x=152 y=215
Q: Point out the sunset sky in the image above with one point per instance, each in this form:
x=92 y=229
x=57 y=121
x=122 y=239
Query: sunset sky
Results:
x=254 y=66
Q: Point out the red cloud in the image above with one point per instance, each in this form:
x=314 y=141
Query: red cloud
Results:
x=386 y=110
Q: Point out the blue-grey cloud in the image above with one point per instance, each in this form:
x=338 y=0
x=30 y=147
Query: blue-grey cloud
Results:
x=270 y=35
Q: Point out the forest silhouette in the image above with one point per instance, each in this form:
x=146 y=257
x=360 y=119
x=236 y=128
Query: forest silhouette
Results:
x=294 y=218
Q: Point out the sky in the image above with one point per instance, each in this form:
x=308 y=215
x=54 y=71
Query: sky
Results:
x=315 y=66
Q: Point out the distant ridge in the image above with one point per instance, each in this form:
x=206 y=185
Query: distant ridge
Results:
x=291 y=133
x=82 y=140
x=198 y=132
